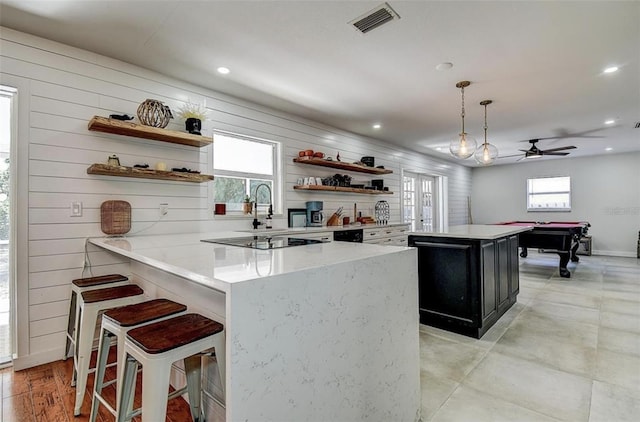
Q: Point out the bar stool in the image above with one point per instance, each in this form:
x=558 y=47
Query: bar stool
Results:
x=156 y=346
x=116 y=323
x=78 y=286
x=90 y=304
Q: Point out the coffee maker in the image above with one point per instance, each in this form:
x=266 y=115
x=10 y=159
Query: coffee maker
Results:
x=315 y=217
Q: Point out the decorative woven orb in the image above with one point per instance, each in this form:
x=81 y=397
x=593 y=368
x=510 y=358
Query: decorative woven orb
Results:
x=154 y=113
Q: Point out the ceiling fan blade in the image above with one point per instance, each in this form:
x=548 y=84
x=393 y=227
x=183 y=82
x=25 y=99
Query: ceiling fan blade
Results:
x=553 y=153
x=522 y=158
x=562 y=134
x=559 y=148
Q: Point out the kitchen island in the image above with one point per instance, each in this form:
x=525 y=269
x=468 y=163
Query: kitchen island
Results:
x=468 y=274
x=322 y=332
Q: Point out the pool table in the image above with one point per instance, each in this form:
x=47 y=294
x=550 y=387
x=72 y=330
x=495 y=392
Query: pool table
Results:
x=562 y=237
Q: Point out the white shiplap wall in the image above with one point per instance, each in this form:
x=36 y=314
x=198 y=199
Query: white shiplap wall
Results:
x=61 y=88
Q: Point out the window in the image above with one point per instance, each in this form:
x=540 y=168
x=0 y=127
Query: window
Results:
x=240 y=165
x=549 y=194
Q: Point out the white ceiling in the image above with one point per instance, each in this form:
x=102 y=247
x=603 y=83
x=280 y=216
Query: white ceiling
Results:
x=540 y=62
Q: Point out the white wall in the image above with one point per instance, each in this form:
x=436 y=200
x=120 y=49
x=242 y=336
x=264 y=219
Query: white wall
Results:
x=60 y=89
x=605 y=191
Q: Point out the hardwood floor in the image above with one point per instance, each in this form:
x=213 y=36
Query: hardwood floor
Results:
x=44 y=394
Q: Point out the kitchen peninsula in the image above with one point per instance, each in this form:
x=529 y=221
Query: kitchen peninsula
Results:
x=469 y=275
x=320 y=332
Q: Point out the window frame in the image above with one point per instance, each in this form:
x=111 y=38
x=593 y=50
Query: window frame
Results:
x=529 y=195
x=276 y=179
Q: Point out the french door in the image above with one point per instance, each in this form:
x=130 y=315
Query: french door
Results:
x=420 y=201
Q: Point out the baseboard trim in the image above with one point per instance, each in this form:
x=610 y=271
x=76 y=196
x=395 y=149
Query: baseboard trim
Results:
x=623 y=254
x=41 y=358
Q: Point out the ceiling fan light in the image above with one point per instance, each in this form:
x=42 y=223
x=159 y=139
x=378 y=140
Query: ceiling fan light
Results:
x=463 y=146
x=486 y=154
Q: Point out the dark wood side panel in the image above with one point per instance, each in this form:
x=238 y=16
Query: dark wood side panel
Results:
x=502 y=260
x=489 y=305
x=445 y=280
x=514 y=266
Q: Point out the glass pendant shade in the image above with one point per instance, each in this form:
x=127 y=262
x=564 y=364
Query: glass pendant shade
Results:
x=463 y=146
x=486 y=154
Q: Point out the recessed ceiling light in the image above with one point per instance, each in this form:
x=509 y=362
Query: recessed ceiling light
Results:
x=377 y=125
x=439 y=148
x=444 y=66
x=608 y=149
x=223 y=70
x=609 y=122
x=611 y=69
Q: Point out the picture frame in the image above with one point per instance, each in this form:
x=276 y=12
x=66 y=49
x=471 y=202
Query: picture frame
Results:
x=297 y=217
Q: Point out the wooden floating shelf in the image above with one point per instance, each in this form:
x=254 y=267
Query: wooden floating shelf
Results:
x=140 y=173
x=341 y=165
x=342 y=189
x=119 y=127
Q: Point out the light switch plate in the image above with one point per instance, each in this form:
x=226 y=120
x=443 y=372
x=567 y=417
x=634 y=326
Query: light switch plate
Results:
x=76 y=209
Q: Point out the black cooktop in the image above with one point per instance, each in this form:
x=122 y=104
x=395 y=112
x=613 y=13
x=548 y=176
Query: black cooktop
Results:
x=264 y=242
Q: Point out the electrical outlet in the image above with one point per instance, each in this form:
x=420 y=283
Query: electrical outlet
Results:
x=164 y=209
x=76 y=209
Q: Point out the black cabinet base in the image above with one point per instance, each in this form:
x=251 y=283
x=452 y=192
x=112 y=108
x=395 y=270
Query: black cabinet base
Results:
x=466 y=285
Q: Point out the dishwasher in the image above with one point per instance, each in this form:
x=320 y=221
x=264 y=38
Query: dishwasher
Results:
x=351 y=235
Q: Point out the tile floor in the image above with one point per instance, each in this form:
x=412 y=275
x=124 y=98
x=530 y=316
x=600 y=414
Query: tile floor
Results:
x=569 y=350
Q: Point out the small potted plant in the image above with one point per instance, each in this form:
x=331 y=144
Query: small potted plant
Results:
x=247 y=206
x=193 y=114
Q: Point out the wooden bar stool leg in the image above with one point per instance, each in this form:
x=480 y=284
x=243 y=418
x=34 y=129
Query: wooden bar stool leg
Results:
x=193 y=371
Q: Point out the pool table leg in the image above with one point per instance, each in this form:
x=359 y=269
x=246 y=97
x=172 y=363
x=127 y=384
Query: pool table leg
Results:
x=564 y=260
x=574 y=249
x=523 y=252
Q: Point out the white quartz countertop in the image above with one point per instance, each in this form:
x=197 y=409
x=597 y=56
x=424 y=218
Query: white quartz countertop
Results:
x=475 y=231
x=219 y=266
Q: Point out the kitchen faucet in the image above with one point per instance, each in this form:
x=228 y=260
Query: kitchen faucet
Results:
x=256 y=223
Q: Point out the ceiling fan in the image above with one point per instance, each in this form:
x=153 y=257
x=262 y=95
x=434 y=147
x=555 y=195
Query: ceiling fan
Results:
x=535 y=152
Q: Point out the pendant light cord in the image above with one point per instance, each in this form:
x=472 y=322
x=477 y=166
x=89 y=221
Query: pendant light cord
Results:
x=485 y=125
x=462 y=114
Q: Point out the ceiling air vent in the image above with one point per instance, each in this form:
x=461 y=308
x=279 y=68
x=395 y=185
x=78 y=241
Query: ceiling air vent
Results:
x=374 y=18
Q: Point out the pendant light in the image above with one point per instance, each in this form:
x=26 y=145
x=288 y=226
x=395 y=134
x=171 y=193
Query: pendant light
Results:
x=486 y=153
x=464 y=145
